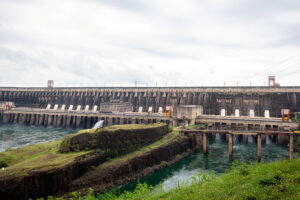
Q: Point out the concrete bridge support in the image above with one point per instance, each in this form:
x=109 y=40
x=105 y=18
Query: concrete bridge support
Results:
x=205 y=143
x=258 y=147
x=230 y=143
x=291 y=149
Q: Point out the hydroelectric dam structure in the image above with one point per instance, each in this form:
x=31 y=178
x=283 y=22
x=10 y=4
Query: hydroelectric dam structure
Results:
x=89 y=102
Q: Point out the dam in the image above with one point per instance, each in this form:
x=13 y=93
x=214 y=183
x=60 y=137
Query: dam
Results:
x=213 y=99
x=80 y=107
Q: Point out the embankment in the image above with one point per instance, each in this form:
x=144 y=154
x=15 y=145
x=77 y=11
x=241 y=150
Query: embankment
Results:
x=137 y=164
x=41 y=170
x=118 y=138
x=275 y=180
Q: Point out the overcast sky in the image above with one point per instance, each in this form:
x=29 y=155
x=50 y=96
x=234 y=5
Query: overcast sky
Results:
x=153 y=42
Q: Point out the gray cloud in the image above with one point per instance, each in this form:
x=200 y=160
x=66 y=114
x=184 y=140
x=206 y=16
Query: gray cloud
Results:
x=131 y=5
x=113 y=42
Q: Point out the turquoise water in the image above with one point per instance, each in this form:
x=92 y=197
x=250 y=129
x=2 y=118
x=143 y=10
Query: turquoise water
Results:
x=217 y=160
x=15 y=135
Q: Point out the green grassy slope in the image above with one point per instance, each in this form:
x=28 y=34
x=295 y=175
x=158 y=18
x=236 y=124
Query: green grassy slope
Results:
x=277 y=180
x=46 y=155
x=41 y=156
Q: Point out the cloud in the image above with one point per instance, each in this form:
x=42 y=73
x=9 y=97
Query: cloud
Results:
x=115 y=42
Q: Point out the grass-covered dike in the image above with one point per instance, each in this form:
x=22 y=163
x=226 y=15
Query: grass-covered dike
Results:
x=276 y=180
x=48 y=155
x=111 y=157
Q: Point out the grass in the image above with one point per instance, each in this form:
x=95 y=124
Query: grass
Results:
x=41 y=156
x=197 y=126
x=45 y=156
x=276 y=180
x=67 y=145
x=165 y=139
x=120 y=127
x=119 y=161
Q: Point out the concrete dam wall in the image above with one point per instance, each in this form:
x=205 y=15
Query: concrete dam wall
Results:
x=75 y=120
x=213 y=99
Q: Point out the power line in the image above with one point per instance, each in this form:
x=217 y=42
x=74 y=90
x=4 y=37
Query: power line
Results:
x=288 y=69
x=273 y=66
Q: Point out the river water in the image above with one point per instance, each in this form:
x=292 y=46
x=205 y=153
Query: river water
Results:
x=217 y=160
x=15 y=135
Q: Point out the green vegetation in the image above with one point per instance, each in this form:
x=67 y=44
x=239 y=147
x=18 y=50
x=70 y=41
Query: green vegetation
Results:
x=170 y=129
x=297 y=145
x=297 y=138
x=92 y=134
x=277 y=180
x=3 y=163
x=296 y=119
x=167 y=138
x=46 y=156
x=197 y=126
x=41 y=156
x=120 y=127
x=123 y=159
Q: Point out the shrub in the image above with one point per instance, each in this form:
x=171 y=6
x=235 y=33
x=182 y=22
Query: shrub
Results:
x=241 y=168
x=270 y=180
x=170 y=129
x=64 y=146
x=3 y=163
x=251 y=198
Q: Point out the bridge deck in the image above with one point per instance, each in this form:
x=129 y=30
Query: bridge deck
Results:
x=263 y=132
x=245 y=121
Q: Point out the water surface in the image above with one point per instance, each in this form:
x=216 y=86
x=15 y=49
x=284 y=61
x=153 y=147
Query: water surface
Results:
x=217 y=160
x=15 y=135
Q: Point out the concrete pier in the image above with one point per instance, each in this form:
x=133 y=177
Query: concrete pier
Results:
x=257 y=134
x=230 y=143
x=291 y=150
x=205 y=143
x=258 y=147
